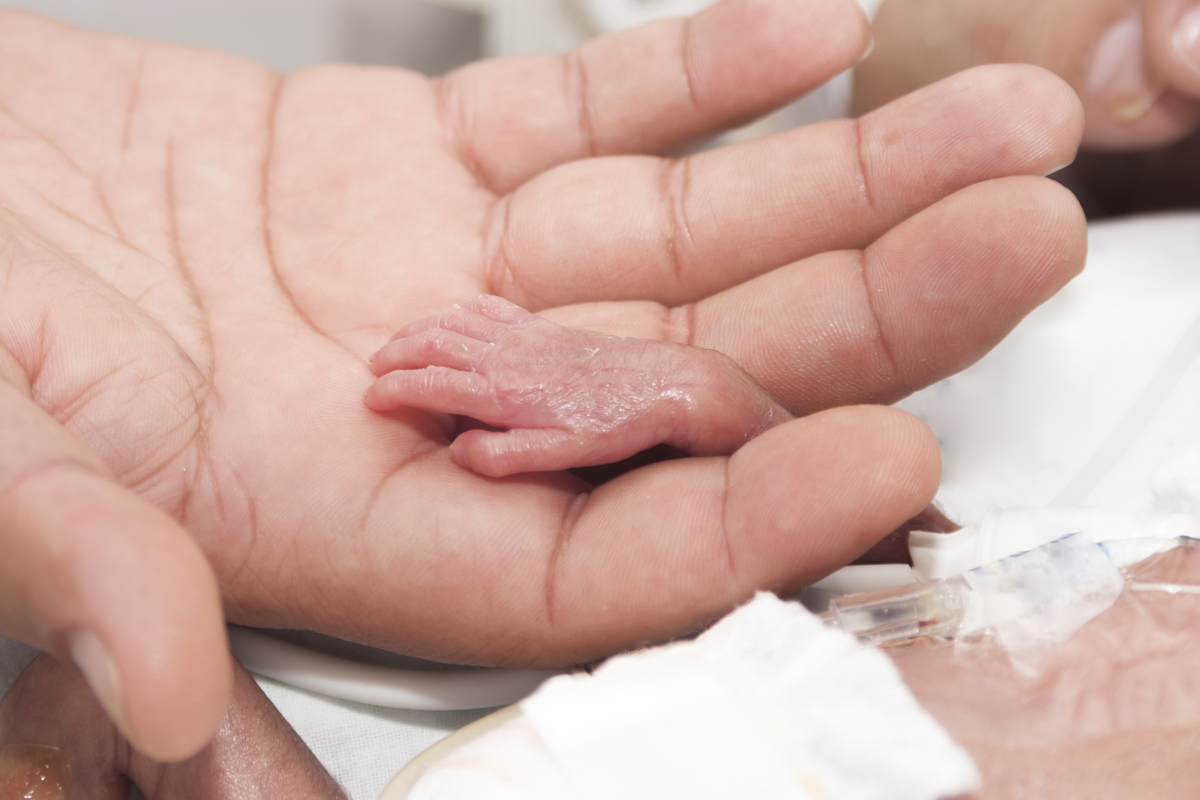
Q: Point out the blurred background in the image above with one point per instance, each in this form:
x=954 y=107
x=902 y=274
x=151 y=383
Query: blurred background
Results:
x=430 y=36
x=288 y=34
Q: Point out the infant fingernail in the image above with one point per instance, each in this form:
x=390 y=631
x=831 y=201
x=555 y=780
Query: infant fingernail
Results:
x=32 y=772
x=1121 y=80
x=100 y=671
x=1186 y=39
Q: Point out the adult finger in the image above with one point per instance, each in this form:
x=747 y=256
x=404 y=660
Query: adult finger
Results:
x=648 y=89
x=1124 y=72
x=676 y=231
x=54 y=736
x=561 y=573
x=923 y=302
x=1121 y=56
x=1173 y=41
x=667 y=548
x=99 y=578
x=927 y=300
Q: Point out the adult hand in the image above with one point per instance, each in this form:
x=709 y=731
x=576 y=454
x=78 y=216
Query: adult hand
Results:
x=200 y=255
x=1134 y=63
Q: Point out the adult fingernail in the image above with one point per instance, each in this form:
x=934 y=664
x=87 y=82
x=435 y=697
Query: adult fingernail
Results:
x=32 y=772
x=1121 y=79
x=100 y=672
x=1061 y=166
x=866 y=53
x=1186 y=39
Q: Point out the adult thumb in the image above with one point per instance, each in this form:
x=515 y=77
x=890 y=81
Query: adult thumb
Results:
x=98 y=578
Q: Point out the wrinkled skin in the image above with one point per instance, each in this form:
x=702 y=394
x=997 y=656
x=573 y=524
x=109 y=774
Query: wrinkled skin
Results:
x=565 y=397
x=1115 y=714
x=200 y=255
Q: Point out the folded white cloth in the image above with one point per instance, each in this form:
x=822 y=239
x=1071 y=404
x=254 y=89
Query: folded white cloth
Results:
x=769 y=703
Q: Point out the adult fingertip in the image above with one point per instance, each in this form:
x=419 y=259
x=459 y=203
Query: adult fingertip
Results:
x=1054 y=246
x=184 y=718
x=1065 y=229
x=1046 y=116
x=167 y=700
x=93 y=660
x=801 y=43
x=813 y=494
x=976 y=263
x=1064 y=114
x=180 y=676
x=897 y=462
x=859 y=39
x=985 y=122
x=169 y=717
x=148 y=634
x=914 y=457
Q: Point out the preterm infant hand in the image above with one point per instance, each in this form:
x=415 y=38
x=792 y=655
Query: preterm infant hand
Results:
x=564 y=397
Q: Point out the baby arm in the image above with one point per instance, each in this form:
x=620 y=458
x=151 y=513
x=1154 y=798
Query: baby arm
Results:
x=563 y=397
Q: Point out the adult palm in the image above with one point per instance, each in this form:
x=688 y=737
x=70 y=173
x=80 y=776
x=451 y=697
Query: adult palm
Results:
x=200 y=255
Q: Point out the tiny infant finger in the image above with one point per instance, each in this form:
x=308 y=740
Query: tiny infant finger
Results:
x=449 y=391
x=476 y=318
x=435 y=347
x=499 y=309
x=457 y=318
x=501 y=453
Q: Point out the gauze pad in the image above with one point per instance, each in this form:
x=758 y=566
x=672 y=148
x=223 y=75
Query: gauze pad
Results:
x=767 y=704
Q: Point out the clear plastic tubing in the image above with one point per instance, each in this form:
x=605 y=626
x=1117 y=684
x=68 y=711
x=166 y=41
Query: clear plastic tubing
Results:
x=924 y=609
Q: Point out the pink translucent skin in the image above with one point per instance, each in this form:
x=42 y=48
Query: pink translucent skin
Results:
x=562 y=397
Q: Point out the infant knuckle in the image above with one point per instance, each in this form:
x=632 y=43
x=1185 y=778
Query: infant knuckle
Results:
x=499 y=333
x=450 y=318
x=500 y=383
x=489 y=302
x=432 y=341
